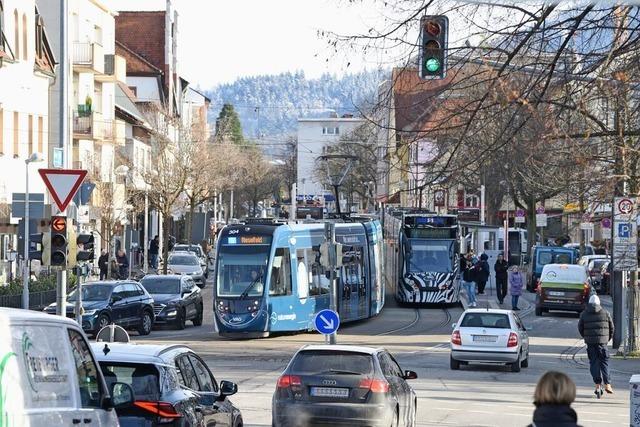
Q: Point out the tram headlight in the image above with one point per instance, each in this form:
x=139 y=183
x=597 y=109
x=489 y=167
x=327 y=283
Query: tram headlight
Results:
x=222 y=306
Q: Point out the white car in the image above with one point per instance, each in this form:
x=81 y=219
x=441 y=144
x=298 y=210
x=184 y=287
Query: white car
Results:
x=490 y=336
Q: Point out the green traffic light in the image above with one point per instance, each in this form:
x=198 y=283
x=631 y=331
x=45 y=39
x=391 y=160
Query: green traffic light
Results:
x=432 y=65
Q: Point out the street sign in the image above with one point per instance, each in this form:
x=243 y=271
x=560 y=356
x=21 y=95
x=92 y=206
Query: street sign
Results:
x=327 y=322
x=36 y=205
x=625 y=235
x=540 y=210
x=62 y=184
x=541 y=219
x=605 y=223
x=519 y=217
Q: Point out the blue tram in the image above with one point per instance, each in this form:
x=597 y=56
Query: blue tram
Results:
x=423 y=256
x=269 y=278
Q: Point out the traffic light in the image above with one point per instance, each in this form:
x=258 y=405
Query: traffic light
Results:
x=434 y=31
x=324 y=254
x=85 y=244
x=39 y=247
x=58 y=241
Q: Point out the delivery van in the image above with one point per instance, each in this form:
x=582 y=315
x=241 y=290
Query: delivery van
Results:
x=563 y=287
x=49 y=376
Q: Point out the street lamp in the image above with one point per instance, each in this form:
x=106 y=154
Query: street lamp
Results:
x=33 y=158
x=123 y=171
x=337 y=171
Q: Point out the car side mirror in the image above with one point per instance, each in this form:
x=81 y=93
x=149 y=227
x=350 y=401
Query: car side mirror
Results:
x=410 y=375
x=115 y=298
x=121 y=395
x=453 y=325
x=228 y=388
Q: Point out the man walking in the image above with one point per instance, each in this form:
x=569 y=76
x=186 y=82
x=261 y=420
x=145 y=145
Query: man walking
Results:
x=468 y=278
x=501 y=268
x=596 y=327
x=123 y=264
x=483 y=273
x=103 y=264
x=154 y=248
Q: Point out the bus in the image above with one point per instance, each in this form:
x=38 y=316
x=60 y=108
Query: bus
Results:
x=269 y=277
x=423 y=256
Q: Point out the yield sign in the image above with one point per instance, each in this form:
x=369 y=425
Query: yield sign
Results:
x=62 y=184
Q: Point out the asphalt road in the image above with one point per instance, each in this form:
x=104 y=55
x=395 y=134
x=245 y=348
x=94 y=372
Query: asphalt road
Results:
x=474 y=396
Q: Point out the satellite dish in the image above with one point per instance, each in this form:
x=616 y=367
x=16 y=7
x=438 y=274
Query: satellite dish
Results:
x=112 y=333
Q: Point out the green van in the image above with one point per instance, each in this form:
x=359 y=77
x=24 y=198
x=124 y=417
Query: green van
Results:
x=562 y=287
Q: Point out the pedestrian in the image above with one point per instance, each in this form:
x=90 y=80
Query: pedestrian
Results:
x=516 y=283
x=555 y=392
x=123 y=264
x=154 y=249
x=483 y=273
x=501 y=268
x=103 y=264
x=596 y=327
x=468 y=278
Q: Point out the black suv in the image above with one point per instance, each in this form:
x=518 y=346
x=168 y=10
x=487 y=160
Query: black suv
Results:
x=124 y=303
x=176 y=299
x=172 y=386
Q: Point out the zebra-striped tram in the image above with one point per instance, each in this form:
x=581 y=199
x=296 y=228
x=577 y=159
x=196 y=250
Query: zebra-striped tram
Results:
x=422 y=256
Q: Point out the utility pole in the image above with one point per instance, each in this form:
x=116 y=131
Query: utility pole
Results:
x=330 y=236
x=63 y=140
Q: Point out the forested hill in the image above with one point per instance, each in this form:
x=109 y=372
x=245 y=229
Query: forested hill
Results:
x=269 y=105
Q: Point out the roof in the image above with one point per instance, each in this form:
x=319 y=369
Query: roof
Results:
x=143 y=32
x=332 y=119
x=106 y=282
x=20 y=315
x=121 y=352
x=125 y=101
x=162 y=276
x=136 y=63
x=489 y=310
x=352 y=348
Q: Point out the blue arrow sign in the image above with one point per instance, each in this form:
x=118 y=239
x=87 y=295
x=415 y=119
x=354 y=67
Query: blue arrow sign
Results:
x=327 y=322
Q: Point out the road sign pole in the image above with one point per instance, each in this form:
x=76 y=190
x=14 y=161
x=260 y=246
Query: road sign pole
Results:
x=26 y=241
x=330 y=234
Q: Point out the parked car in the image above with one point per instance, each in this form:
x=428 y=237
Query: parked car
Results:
x=172 y=386
x=344 y=385
x=586 y=259
x=489 y=336
x=588 y=249
x=562 y=287
x=124 y=303
x=594 y=269
x=543 y=255
x=187 y=263
x=176 y=299
x=49 y=376
x=197 y=250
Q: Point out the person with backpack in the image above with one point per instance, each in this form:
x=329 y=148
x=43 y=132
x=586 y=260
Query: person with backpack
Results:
x=596 y=327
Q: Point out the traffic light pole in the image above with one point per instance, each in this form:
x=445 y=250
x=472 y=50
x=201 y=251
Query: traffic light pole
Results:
x=330 y=233
x=27 y=241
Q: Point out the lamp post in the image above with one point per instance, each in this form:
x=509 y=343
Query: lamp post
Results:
x=33 y=158
x=123 y=171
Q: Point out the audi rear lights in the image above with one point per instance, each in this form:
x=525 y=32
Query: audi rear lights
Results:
x=374 y=385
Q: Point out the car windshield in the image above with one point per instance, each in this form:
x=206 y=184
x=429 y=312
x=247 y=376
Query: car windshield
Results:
x=318 y=362
x=597 y=264
x=430 y=256
x=184 y=248
x=92 y=293
x=241 y=270
x=486 y=320
x=143 y=379
x=183 y=260
x=161 y=285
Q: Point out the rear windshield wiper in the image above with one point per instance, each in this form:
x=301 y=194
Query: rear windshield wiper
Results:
x=342 y=372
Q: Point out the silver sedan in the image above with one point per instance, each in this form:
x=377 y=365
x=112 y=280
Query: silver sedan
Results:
x=187 y=263
x=490 y=336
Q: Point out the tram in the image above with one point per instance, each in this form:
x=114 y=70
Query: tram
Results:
x=269 y=277
x=423 y=256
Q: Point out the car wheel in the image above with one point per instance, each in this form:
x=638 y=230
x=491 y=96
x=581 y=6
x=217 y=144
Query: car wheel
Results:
x=538 y=311
x=103 y=321
x=515 y=366
x=145 y=324
x=454 y=364
x=197 y=321
x=525 y=362
x=181 y=321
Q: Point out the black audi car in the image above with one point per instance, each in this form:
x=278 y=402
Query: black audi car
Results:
x=172 y=386
x=177 y=299
x=344 y=385
x=124 y=303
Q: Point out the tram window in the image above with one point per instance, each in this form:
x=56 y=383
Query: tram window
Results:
x=318 y=284
x=280 y=273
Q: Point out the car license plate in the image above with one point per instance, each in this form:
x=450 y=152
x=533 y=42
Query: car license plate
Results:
x=485 y=338
x=329 y=392
x=556 y=293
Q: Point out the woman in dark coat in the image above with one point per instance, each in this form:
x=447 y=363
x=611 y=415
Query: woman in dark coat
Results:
x=483 y=273
x=553 y=397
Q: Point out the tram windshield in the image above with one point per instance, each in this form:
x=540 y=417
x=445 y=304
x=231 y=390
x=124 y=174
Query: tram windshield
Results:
x=430 y=256
x=241 y=270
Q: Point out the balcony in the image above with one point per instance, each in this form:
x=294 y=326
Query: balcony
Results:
x=88 y=58
x=115 y=69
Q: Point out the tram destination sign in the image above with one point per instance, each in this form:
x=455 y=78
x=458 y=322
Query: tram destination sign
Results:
x=255 y=239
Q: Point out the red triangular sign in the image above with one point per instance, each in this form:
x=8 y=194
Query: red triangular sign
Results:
x=62 y=184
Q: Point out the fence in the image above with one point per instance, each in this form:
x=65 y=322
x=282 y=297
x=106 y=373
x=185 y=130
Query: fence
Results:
x=37 y=300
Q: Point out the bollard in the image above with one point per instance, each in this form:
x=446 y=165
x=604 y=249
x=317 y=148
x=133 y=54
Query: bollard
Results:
x=634 y=407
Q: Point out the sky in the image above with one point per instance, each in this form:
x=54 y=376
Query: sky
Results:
x=221 y=40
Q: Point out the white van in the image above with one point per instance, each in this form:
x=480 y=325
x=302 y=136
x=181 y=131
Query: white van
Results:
x=48 y=374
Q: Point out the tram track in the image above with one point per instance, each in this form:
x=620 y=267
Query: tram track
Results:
x=417 y=317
